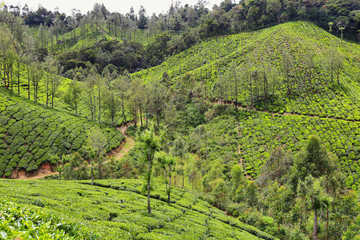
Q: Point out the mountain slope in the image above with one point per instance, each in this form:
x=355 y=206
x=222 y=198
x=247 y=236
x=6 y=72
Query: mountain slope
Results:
x=311 y=90
x=316 y=105
x=30 y=132
x=115 y=209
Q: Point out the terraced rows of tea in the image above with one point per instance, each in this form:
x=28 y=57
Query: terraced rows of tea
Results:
x=109 y=210
x=312 y=91
x=21 y=221
x=251 y=136
x=30 y=132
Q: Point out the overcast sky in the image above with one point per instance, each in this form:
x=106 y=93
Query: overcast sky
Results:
x=122 y=6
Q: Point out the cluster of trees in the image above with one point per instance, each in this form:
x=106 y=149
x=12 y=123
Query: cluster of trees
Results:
x=295 y=197
x=228 y=17
x=175 y=31
x=261 y=84
x=250 y=15
x=111 y=54
x=73 y=166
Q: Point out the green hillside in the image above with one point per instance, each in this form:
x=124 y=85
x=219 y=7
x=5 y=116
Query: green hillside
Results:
x=316 y=104
x=116 y=209
x=311 y=90
x=249 y=138
x=30 y=132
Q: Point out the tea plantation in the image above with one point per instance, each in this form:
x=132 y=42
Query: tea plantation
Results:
x=312 y=91
x=116 y=209
x=30 y=132
x=20 y=221
x=251 y=136
x=315 y=103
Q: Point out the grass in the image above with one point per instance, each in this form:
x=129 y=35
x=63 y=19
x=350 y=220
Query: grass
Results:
x=116 y=209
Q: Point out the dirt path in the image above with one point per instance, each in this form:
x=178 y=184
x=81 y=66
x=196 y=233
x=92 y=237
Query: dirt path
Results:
x=39 y=176
x=118 y=153
x=129 y=144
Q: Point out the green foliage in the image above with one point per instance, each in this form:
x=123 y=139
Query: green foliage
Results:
x=35 y=134
x=116 y=208
x=19 y=221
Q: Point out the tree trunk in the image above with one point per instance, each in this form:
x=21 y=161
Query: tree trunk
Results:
x=27 y=67
x=141 y=120
x=123 y=107
x=169 y=185
x=236 y=90
x=183 y=175
x=47 y=93
x=315 y=225
x=327 y=223
x=92 y=174
x=166 y=187
x=99 y=104
x=157 y=118
x=75 y=105
x=148 y=182
x=11 y=78
x=100 y=170
x=18 y=75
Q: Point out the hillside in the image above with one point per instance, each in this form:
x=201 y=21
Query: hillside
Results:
x=116 y=209
x=29 y=132
x=307 y=47
x=316 y=104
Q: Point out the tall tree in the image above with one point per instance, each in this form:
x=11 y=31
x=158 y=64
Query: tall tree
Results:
x=150 y=144
x=287 y=67
x=166 y=162
x=273 y=7
x=72 y=96
x=35 y=77
x=122 y=85
x=156 y=98
x=49 y=68
x=89 y=93
x=112 y=104
x=179 y=150
x=233 y=71
x=97 y=146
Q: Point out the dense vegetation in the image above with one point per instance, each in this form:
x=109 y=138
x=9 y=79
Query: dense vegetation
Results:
x=261 y=124
x=30 y=133
x=19 y=221
x=146 y=41
x=109 y=210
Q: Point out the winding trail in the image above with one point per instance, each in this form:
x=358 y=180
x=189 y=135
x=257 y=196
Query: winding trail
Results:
x=126 y=146
x=118 y=153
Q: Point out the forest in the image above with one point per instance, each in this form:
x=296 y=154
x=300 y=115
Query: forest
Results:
x=237 y=122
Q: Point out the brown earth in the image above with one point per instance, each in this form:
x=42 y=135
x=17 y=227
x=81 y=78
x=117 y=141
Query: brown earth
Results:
x=47 y=170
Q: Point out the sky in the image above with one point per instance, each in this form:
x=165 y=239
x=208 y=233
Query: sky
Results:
x=121 y=6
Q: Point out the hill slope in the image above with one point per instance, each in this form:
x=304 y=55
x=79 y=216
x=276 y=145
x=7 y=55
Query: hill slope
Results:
x=308 y=47
x=315 y=105
x=30 y=132
x=115 y=209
